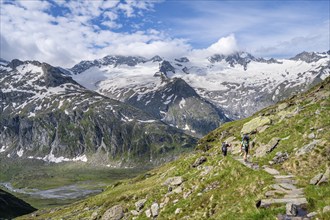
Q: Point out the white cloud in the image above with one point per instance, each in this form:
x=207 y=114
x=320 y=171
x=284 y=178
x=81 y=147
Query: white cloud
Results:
x=84 y=30
x=225 y=45
x=28 y=31
x=166 y=48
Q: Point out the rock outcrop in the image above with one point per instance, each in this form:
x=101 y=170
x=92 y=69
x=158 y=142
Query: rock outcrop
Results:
x=11 y=206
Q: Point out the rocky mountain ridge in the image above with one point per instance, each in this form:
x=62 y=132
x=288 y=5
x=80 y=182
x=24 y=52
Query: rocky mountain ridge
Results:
x=238 y=84
x=46 y=115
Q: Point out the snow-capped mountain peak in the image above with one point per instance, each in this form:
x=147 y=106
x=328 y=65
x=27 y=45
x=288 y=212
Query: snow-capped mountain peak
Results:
x=239 y=83
x=310 y=57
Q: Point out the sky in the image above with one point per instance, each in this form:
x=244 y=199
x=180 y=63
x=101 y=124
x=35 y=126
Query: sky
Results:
x=63 y=32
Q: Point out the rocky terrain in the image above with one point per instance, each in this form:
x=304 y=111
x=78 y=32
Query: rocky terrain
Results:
x=11 y=206
x=287 y=176
x=46 y=115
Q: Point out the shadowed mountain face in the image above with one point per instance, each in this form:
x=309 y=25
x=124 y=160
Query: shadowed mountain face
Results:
x=178 y=104
x=46 y=115
x=11 y=206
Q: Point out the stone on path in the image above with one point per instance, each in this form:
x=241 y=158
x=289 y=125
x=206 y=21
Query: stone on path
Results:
x=291 y=209
x=114 y=213
x=291 y=181
x=292 y=196
x=274 y=193
x=271 y=171
x=316 y=179
x=248 y=164
x=293 y=191
x=311 y=214
x=269 y=202
x=288 y=186
x=284 y=176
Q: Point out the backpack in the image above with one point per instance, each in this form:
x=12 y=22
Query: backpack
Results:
x=245 y=141
x=224 y=147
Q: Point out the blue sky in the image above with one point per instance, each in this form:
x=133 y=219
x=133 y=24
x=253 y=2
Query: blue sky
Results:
x=65 y=32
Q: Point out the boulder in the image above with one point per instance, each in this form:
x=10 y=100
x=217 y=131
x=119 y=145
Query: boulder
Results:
x=173 y=181
x=265 y=149
x=325 y=177
x=199 y=161
x=316 y=179
x=255 y=123
x=271 y=171
x=280 y=157
x=272 y=144
x=140 y=204
x=178 y=211
x=326 y=209
x=114 y=213
x=307 y=148
x=148 y=213
x=154 y=209
x=311 y=136
x=291 y=209
x=262 y=128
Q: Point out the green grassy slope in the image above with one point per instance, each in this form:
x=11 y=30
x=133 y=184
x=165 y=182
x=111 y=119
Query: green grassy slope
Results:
x=222 y=188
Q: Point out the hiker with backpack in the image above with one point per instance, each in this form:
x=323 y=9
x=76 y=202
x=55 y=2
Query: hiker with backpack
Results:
x=224 y=148
x=245 y=145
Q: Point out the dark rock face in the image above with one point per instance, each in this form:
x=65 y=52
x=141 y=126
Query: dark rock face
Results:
x=47 y=115
x=11 y=206
x=308 y=57
x=182 y=60
x=178 y=104
x=109 y=60
x=165 y=67
x=241 y=58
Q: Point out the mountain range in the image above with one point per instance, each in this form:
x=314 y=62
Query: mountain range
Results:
x=236 y=85
x=126 y=110
x=46 y=115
